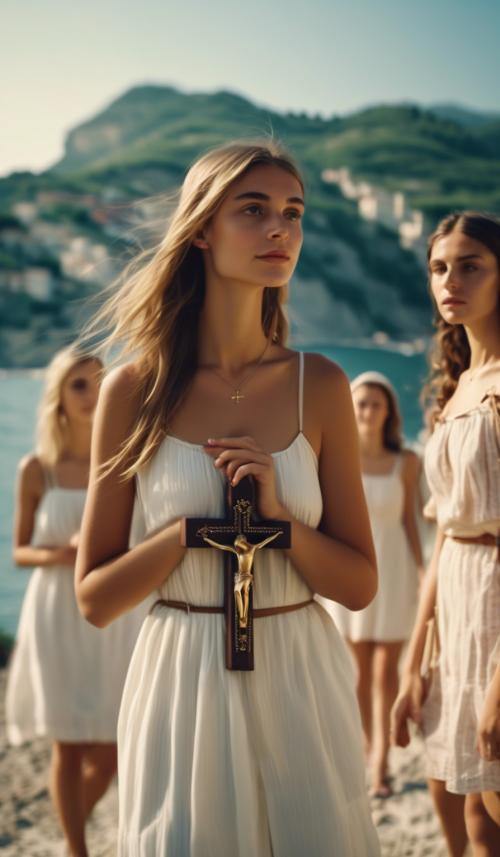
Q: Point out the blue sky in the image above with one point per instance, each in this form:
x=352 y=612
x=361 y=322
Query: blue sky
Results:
x=62 y=61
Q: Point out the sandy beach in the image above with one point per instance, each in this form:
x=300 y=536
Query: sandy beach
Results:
x=405 y=822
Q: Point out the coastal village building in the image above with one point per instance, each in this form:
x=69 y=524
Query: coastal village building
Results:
x=382 y=206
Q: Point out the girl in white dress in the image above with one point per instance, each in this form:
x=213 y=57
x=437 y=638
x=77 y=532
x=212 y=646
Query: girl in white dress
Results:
x=215 y=763
x=65 y=678
x=377 y=633
x=460 y=714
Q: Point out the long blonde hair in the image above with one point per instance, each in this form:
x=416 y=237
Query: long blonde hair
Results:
x=52 y=426
x=153 y=316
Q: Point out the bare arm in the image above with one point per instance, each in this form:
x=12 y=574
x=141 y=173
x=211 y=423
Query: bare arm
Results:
x=29 y=491
x=411 y=476
x=337 y=560
x=411 y=691
x=427 y=603
x=109 y=578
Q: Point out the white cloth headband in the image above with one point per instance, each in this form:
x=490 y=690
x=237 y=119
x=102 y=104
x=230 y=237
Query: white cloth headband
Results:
x=374 y=378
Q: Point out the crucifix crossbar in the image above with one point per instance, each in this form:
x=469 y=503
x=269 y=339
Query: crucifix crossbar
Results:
x=240 y=535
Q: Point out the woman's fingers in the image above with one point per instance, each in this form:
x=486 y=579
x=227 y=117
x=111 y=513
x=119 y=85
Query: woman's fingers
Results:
x=399 y=728
x=249 y=469
x=229 y=459
x=232 y=458
x=489 y=746
x=245 y=442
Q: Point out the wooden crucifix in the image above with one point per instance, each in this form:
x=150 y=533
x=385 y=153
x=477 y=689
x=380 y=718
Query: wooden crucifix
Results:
x=240 y=534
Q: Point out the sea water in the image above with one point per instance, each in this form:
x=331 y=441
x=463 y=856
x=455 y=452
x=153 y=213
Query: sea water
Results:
x=19 y=395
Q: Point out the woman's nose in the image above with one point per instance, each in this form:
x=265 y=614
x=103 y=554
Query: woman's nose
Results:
x=451 y=279
x=278 y=226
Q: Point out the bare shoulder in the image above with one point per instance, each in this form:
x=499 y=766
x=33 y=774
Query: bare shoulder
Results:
x=30 y=470
x=328 y=409
x=31 y=480
x=325 y=375
x=122 y=381
x=411 y=462
x=121 y=391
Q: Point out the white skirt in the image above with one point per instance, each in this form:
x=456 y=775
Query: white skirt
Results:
x=66 y=677
x=214 y=763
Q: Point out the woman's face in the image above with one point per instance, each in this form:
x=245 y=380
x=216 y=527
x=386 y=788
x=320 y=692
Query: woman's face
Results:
x=256 y=235
x=370 y=409
x=80 y=390
x=464 y=277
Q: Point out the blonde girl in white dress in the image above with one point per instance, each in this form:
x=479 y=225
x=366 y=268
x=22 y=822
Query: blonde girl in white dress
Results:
x=377 y=633
x=460 y=714
x=214 y=763
x=65 y=678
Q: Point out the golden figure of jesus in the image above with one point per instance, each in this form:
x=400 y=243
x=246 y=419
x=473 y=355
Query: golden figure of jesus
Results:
x=244 y=552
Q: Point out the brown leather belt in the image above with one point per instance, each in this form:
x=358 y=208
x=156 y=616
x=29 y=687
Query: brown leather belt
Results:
x=484 y=539
x=258 y=613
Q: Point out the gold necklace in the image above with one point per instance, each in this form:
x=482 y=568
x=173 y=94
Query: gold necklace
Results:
x=237 y=395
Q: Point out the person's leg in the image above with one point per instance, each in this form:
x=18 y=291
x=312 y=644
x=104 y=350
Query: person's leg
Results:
x=363 y=655
x=385 y=688
x=65 y=786
x=491 y=801
x=450 y=809
x=99 y=768
x=484 y=834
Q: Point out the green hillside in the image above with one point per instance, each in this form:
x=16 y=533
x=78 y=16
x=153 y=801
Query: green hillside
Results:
x=442 y=163
x=354 y=280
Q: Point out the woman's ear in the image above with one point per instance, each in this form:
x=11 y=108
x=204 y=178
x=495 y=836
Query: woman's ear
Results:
x=201 y=243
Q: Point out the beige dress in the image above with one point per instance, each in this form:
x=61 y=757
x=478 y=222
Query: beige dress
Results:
x=463 y=469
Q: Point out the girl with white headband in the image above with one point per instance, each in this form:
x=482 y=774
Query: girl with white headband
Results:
x=377 y=633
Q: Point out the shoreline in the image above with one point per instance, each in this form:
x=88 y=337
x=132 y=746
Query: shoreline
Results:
x=405 y=348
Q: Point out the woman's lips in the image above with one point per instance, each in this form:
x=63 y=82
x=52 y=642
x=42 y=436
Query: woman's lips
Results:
x=274 y=257
x=453 y=302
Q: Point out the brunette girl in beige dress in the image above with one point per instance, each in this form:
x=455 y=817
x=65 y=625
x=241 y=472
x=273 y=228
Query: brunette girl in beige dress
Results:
x=460 y=714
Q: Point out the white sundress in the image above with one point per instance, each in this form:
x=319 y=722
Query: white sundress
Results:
x=390 y=616
x=462 y=463
x=214 y=763
x=65 y=676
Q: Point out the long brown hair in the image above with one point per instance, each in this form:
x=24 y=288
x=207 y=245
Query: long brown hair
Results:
x=154 y=314
x=450 y=355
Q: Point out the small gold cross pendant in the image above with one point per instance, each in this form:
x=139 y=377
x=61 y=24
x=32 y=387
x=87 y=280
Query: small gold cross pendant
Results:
x=237 y=396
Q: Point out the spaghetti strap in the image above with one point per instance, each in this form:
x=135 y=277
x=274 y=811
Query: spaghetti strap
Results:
x=301 y=391
x=50 y=478
x=398 y=466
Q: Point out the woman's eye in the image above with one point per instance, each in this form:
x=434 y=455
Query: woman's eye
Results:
x=293 y=214
x=79 y=384
x=253 y=209
x=470 y=267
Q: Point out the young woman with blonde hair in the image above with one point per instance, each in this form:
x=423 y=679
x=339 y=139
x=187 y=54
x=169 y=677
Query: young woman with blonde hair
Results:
x=460 y=714
x=65 y=678
x=215 y=763
x=377 y=633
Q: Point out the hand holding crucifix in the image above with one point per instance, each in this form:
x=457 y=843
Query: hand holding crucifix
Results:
x=235 y=533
